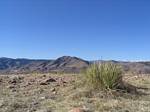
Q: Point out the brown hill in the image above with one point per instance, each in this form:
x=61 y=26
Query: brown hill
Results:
x=63 y=64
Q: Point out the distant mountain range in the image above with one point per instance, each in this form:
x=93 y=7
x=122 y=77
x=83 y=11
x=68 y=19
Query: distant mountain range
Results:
x=63 y=64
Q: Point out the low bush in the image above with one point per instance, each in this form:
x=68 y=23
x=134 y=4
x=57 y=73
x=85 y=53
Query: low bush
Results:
x=104 y=75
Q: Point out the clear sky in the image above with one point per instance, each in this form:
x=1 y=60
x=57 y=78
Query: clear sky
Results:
x=90 y=29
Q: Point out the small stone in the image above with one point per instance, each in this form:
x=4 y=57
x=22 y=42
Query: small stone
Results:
x=77 y=110
x=14 y=90
x=54 y=93
x=53 y=89
x=47 y=81
x=43 y=98
x=36 y=103
x=1 y=103
x=44 y=75
x=1 y=80
x=10 y=87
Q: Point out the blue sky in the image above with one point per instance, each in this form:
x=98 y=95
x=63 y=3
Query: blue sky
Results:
x=90 y=29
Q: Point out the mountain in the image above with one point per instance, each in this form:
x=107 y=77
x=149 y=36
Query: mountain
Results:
x=68 y=64
x=63 y=64
x=136 y=67
x=8 y=65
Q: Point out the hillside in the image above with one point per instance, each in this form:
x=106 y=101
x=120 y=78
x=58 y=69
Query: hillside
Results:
x=63 y=64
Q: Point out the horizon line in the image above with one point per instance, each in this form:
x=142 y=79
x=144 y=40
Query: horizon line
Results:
x=122 y=60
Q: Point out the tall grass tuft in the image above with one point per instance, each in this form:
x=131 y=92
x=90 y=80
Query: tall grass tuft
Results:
x=104 y=75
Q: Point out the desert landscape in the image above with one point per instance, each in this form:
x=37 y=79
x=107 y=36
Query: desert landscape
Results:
x=67 y=92
x=74 y=56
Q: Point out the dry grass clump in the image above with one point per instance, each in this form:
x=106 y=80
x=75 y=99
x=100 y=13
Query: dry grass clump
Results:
x=104 y=76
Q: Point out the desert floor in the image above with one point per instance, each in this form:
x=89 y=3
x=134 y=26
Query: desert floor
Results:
x=64 y=92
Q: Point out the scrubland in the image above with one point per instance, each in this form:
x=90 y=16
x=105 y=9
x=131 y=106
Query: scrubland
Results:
x=64 y=92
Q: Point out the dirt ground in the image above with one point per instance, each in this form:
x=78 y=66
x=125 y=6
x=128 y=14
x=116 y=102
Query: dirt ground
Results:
x=64 y=92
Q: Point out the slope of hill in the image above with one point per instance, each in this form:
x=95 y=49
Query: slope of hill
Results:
x=63 y=64
x=8 y=65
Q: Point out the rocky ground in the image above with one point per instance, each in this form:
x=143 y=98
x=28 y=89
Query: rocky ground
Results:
x=66 y=93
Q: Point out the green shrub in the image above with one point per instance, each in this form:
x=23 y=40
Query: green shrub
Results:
x=105 y=75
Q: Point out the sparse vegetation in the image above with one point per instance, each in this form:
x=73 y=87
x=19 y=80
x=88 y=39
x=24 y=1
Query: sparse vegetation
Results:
x=104 y=75
x=65 y=94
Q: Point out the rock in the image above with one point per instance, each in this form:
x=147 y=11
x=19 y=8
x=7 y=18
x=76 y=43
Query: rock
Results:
x=35 y=103
x=77 y=110
x=43 y=98
x=51 y=80
x=11 y=87
x=127 y=111
x=1 y=103
x=47 y=81
x=44 y=83
x=44 y=76
x=54 y=92
x=12 y=81
x=53 y=89
x=1 y=80
x=15 y=80
x=13 y=90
